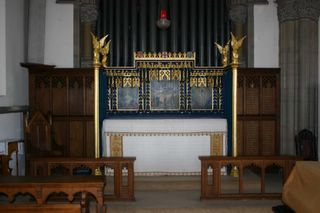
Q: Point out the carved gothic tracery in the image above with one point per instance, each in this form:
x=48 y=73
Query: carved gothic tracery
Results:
x=298 y=9
x=238 y=13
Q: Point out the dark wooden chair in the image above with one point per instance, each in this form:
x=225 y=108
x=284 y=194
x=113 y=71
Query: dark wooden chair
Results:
x=306 y=145
x=39 y=137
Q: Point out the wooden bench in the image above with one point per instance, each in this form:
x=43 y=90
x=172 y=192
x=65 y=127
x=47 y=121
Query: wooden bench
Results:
x=123 y=181
x=36 y=208
x=211 y=178
x=41 y=188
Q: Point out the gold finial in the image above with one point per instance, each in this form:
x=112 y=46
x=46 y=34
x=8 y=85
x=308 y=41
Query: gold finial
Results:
x=97 y=45
x=236 y=44
x=224 y=52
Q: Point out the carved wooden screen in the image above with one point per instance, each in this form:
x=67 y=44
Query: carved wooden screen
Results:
x=67 y=94
x=258 y=111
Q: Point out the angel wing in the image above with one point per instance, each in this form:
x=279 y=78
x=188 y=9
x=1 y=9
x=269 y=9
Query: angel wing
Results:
x=236 y=44
x=227 y=45
x=105 y=48
x=224 y=53
x=95 y=41
x=104 y=52
x=101 y=42
x=219 y=47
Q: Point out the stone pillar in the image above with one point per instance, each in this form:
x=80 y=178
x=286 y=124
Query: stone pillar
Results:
x=238 y=17
x=36 y=31
x=242 y=23
x=88 y=17
x=299 y=69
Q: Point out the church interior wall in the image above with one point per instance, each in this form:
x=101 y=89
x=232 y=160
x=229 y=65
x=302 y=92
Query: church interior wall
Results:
x=3 y=48
x=58 y=48
x=15 y=77
x=266 y=35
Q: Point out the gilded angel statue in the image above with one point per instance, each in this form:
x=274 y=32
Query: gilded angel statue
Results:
x=104 y=52
x=236 y=44
x=224 y=52
x=97 y=45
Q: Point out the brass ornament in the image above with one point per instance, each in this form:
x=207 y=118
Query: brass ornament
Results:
x=104 y=52
x=223 y=50
x=236 y=44
x=97 y=45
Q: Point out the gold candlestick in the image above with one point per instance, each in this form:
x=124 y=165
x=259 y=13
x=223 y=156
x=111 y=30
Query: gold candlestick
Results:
x=235 y=44
x=98 y=48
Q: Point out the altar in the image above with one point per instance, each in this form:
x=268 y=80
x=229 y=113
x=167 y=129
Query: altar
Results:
x=165 y=146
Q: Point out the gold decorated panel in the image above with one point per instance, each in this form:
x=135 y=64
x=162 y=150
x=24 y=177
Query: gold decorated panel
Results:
x=216 y=144
x=116 y=146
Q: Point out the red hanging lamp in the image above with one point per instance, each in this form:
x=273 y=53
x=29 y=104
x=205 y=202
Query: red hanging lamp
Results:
x=163 y=23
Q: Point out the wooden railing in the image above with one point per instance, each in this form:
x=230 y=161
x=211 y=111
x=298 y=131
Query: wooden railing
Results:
x=43 y=189
x=216 y=170
x=46 y=208
x=122 y=172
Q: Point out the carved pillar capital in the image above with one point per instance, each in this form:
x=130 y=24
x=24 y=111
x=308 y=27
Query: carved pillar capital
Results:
x=286 y=10
x=309 y=9
x=238 y=13
x=298 y=9
x=88 y=12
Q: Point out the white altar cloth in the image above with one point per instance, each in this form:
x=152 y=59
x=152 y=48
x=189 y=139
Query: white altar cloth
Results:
x=164 y=145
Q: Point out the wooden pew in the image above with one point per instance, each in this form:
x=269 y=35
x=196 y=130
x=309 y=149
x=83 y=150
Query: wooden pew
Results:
x=41 y=188
x=123 y=182
x=36 y=208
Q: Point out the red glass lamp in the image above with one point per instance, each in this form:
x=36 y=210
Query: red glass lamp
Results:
x=163 y=23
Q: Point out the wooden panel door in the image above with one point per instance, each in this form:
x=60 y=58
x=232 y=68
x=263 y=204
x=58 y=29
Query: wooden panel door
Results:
x=66 y=94
x=258 y=111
